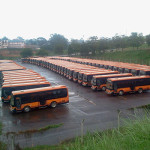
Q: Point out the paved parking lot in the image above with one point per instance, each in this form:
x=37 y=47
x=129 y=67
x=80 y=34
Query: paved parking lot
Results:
x=98 y=110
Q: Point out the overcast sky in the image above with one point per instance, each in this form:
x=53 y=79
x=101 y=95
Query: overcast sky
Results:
x=73 y=18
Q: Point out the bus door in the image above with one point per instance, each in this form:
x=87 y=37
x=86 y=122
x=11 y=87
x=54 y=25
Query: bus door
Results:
x=42 y=99
x=18 y=102
x=132 y=86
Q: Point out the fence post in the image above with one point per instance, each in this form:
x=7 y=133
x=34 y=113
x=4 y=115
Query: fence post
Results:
x=82 y=125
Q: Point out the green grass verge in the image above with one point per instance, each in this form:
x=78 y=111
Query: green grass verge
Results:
x=36 y=130
x=130 y=56
x=135 y=135
x=50 y=127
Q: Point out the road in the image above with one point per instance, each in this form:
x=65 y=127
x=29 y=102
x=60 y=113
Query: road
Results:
x=98 y=110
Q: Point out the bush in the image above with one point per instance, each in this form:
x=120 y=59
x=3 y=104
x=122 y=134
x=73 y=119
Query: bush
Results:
x=26 y=52
x=42 y=52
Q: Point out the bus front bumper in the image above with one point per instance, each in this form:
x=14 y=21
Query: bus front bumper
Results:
x=12 y=109
x=109 y=92
x=84 y=84
x=94 y=88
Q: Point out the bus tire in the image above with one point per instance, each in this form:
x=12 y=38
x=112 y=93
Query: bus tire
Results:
x=27 y=109
x=53 y=104
x=103 y=88
x=140 y=90
x=121 y=93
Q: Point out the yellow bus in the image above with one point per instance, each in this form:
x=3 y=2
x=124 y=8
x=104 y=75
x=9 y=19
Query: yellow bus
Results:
x=7 y=89
x=25 y=100
x=24 y=81
x=87 y=77
x=99 y=82
x=127 y=84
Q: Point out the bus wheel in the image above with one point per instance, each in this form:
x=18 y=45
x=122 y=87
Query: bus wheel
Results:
x=103 y=88
x=140 y=91
x=53 y=104
x=26 y=109
x=121 y=93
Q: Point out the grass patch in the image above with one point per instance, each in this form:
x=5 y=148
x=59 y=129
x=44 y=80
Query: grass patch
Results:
x=135 y=135
x=3 y=146
x=130 y=56
x=36 y=130
x=50 y=127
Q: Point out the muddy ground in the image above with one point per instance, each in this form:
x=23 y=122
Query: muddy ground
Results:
x=98 y=110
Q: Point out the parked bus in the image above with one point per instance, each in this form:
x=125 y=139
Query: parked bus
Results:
x=87 y=77
x=26 y=78
x=144 y=72
x=127 y=84
x=24 y=81
x=25 y=100
x=7 y=89
x=19 y=77
x=99 y=82
x=81 y=73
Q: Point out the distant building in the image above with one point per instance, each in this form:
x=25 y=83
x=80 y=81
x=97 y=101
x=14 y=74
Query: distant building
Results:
x=3 y=44
x=16 y=43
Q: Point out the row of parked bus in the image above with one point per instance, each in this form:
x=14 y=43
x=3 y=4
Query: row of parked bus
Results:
x=113 y=81
x=26 y=89
x=135 y=69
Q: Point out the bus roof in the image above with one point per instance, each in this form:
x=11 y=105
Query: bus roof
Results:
x=17 y=71
x=112 y=75
x=20 y=73
x=19 y=92
x=26 y=78
x=128 y=78
x=100 y=72
x=25 y=84
x=23 y=81
x=22 y=76
x=91 y=71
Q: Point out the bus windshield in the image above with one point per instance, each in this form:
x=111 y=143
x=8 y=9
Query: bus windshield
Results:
x=75 y=74
x=93 y=81
x=109 y=85
x=80 y=76
x=126 y=70
x=134 y=72
x=85 y=78
x=5 y=92
x=142 y=73
x=12 y=102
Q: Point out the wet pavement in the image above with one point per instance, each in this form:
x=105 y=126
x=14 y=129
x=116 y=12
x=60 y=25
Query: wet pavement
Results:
x=98 y=110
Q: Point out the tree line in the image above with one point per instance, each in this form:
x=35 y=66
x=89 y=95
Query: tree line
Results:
x=58 y=44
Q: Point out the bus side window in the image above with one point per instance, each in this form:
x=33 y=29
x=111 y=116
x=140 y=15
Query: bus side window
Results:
x=63 y=92
x=33 y=97
x=25 y=99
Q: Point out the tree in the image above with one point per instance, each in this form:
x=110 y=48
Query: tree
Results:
x=31 y=42
x=42 y=52
x=93 y=44
x=104 y=43
x=148 y=39
x=136 y=40
x=20 y=38
x=58 y=43
x=41 y=41
x=74 y=46
x=4 y=38
x=26 y=52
